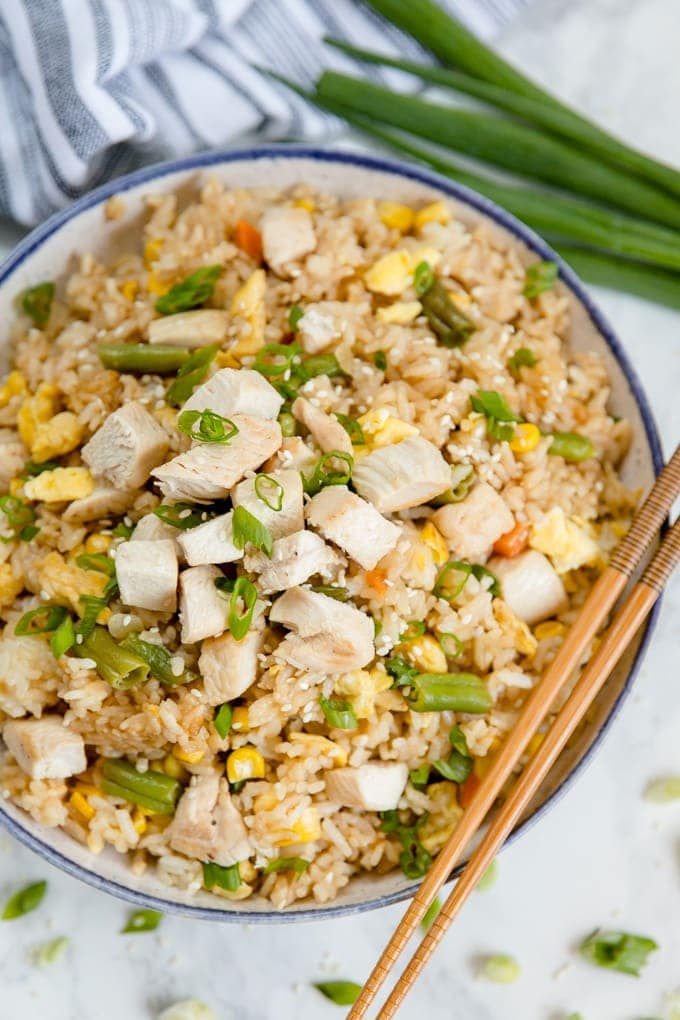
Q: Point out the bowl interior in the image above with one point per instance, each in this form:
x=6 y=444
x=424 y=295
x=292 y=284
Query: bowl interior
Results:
x=83 y=228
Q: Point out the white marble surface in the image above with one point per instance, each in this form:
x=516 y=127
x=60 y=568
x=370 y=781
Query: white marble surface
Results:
x=601 y=857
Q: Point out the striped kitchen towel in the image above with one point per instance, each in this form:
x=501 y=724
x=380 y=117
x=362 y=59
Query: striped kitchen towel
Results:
x=90 y=89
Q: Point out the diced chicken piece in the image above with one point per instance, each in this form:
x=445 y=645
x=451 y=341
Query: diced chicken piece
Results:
x=287 y=234
x=190 y=329
x=103 y=501
x=294 y=455
x=329 y=636
x=45 y=748
x=294 y=559
x=147 y=574
x=228 y=666
x=325 y=430
x=203 y=611
x=403 y=475
x=13 y=456
x=530 y=586
x=322 y=323
x=151 y=528
x=207 y=826
x=472 y=526
x=208 y=472
x=211 y=542
x=355 y=525
x=127 y=446
x=236 y=391
x=375 y=786
x=280 y=522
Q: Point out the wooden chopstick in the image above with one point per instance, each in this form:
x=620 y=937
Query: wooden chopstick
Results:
x=594 y=611
x=614 y=643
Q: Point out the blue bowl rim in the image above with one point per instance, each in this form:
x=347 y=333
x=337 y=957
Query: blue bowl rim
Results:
x=525 y=234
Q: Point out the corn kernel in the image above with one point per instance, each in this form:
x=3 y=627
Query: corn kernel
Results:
x=321 y=745
x=80 y=804
x=129 y=289
x=426 y=653
x=173 y=767
x=53 y=438
x=526 y=437
x=436 y=212
x=139 y=821
x=60 y=485
x=434 y=539
x=240 y=719
x=13 y=385
x=190 y=757
x=305 y=203
x=549 y=629
x=401 y=312
x=88 y=790
x=98 y=543
x=307 y=829
x=152 y=250
x=396 y=216
x=245 y=763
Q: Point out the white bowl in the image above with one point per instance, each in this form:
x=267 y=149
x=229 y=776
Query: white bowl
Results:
x=82 y=227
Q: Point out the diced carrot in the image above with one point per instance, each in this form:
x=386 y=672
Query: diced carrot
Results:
x=375 y=579
x=248 y=239
x=468 y=789
x=512 y=542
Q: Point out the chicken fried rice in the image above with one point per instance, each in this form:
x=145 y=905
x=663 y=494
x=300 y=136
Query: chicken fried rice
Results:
x=298 y=500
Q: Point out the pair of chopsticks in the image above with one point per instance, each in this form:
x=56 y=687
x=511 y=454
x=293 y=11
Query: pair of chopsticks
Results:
x=625 y=560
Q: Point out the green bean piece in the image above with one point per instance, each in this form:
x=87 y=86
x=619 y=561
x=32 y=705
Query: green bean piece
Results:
x=151 y=789
x=339 y=714
x=117 y=665
x=36 y=302
x=450 y=324
x=155 y=359
x=441 y=692
x=572 y=446
x=159 y=660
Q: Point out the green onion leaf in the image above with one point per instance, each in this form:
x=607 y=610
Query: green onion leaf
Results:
x=294 y=315
x=423 y=278
x=181 y=515
x=239 y=619
x=380 y=361
x=540 y=277
x=491 y=404
x=489 y=877
x=142 y=920
x=455 y=692
x=401 y=671
x=226 y=878
x=63 y=638
x=451 y=579
x=663 y=791
x=352 y=428
x=522 y=358
x=421 y=776
x=501 y=969
x=450 y=644
x=190 y=375
x=339 y=714
x=297 y=864
x=211 y=427
x=458 y=766
x=618 y=950
x=246 y=529
x=222 y=719
x=99 y=562
x=430 y=914
x=36 y=302
x=342 y=993
x=123 y=530
x=42 y=620
x=270 y=492
x=24 y=901
x=328 y=472
x=192 y=292
x=333 y=591
x=414 y=630
x=572 y=446
x=49 y=952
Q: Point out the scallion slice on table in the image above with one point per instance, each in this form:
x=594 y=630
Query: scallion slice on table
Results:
x=119 y=666
x=440 y=692
x=342 y=993
x=501 y=969
x=155 y=359
x=142 y=921
x=166 y=667
x=663 y=791
x=339 y=714
x=226 y=878
x=247 y=530
x=150 y=789
x=49 y=952
x=618 y=950
x=192 y=292
x=488 y=879
x=24 y=901
x=190 y=375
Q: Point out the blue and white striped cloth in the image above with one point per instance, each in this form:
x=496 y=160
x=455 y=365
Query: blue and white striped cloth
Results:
x=90 y=89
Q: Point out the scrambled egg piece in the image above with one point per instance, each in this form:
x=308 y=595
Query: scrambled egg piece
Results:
x=401 y=313
x=307 y=829
x=35 y=410
x=393 y=273
x=62 y=580
x=381 y=429
x=427 y=654
x=435 y=541
x=10 y=585
x=564 y=541
x=316 y=744
x=13 y=385
x=396 y=216
x=517 y=630
x=436 y=212
x=55 y=437
x=445 y=814
x=248 y=303
x=60 y=485
x=361 y=688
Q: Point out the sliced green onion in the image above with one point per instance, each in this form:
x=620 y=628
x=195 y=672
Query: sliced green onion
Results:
x=297 y=864
x=501 y=969
x=430 y=914
x=321 y=364
x=352 y=428
x=414 y=630
x=211 y=427
x=276 y=359
x=618 y=950
x=123 y=530
x=458 y=766
x=481 y=572
x=42 y=620
x=225 y=584
x=120 y=667
x=36 y=302
x=195 y=290
x=489 y=877
x=342 y=993
x=63 y=638
x=222 y=719
x=400 y=670
x=327 y=472
x=155 y=359
x=339 y=714
x=492 y=405
x=159 y=660
x=190 y=375
x=247 y=530
x=441 y=692
x=150 y=789
x=180 y=515
x=239 y=620
x=333 y=591
x=541 y=276
x=19 y=516
x=451 y=325
x=32 y=470
x=24 y=901
x=92 y=606
x=414 y=860
x=663 y=791
x=423 y=278
x=451 y=579
x=142 y=920
x=216 y=875
x=99 y=562
x=270 y=492
x=294 y=315
x=380 y=361
x=49 y=952
x=288 y=424
x=420 y=776
x=572 y=446
x=450 y=644
x=522 y=358
x=462 y=478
